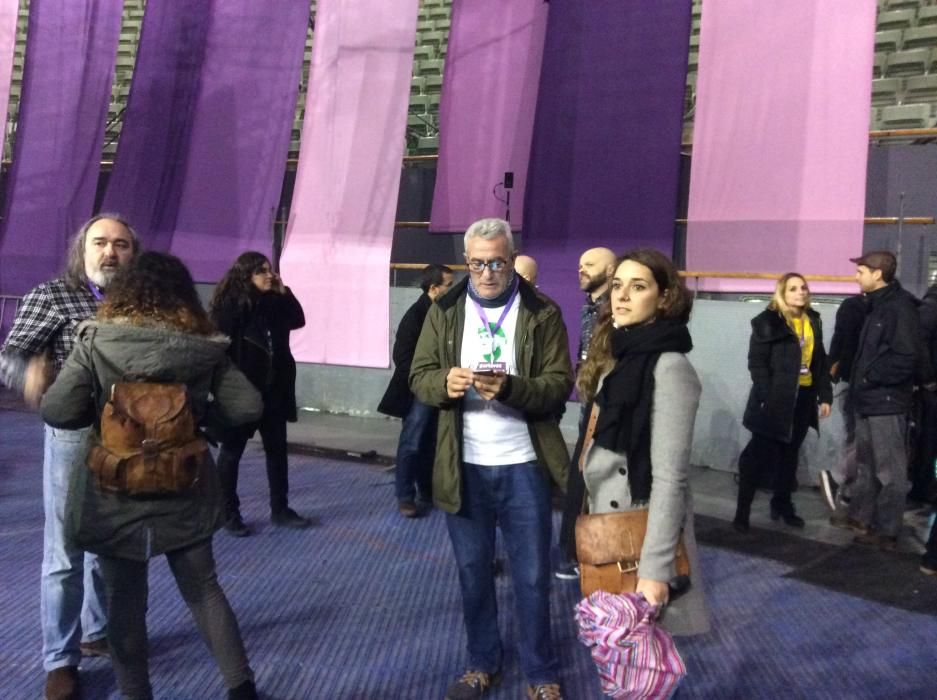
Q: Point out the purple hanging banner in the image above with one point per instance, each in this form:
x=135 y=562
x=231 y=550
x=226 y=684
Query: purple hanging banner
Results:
x=487 y=110
x=604 y=166
x=66 y=91
x=341 y=225
x=778 y=181
x=201 y=156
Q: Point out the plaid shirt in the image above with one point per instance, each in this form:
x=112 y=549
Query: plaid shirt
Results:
x=46 y=318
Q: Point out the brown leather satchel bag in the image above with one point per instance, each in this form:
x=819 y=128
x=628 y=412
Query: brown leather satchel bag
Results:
x=148 y=444
x=608 y=547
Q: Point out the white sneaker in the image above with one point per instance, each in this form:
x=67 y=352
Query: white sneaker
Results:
x=829 y=488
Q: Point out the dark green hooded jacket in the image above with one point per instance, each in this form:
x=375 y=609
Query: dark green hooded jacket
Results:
x=539 y=391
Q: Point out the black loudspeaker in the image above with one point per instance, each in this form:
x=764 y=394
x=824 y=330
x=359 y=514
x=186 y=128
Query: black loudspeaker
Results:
x=508 y=180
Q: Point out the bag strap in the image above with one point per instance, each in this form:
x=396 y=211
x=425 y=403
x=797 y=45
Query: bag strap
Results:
x=590 y=432
x=584 y=447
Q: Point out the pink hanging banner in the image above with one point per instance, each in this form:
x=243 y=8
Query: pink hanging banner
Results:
x=780 y=139
x=494 y=56
x=337 y=252
x=8 y=12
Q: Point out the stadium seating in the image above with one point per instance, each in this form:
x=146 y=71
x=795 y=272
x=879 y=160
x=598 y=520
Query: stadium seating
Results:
x=920 y=37
x=896 y=19
x=885 y=91
x=903 y=63
x=906 y=117
x=922 y=88
x=888 y=40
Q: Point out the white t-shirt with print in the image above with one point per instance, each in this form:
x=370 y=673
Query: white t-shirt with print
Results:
x=492 y=434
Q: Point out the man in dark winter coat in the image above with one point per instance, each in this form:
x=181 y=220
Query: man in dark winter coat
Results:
x=416 y=447
x=889 y=357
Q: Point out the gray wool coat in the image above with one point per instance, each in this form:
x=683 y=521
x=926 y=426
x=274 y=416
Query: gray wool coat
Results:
x=113 y=524
x=670 y=510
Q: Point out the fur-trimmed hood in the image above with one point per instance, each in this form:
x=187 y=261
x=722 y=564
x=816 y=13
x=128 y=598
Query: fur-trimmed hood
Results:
x=770 y=326
x=157 y=352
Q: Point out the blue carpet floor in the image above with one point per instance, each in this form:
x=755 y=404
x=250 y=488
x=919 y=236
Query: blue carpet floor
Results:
x=367 y=606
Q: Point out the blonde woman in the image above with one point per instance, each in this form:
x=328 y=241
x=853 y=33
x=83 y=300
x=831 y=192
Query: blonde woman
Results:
x=790 y=388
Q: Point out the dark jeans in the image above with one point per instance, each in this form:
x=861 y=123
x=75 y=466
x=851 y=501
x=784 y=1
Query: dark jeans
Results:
x=415 y=451
x=127 y=590
x=766 y=455
x=516 y=497
x=273 y=433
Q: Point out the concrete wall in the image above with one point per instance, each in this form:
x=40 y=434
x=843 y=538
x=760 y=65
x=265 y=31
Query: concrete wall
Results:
x=720 y=332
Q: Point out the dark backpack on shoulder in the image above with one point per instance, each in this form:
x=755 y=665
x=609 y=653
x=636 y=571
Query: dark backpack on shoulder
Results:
x=148 y=441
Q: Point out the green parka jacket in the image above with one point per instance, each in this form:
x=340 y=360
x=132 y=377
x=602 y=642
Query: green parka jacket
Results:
x=539 y=391
x=106 y=352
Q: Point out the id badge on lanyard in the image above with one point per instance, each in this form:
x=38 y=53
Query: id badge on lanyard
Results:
x=804 y=368
x=492 y=366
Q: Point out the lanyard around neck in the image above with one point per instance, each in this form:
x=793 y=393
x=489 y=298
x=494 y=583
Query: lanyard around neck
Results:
x=493 y=331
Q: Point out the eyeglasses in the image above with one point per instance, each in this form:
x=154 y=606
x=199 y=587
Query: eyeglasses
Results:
x=496 y=265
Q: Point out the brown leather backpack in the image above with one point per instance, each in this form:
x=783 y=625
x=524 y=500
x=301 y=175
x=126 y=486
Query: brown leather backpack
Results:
x=148 y=446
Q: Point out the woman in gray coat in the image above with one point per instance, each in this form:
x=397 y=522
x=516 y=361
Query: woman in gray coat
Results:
x=152 y=328
x=647 y=394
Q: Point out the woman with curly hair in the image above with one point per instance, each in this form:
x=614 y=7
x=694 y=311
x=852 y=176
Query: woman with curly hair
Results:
x=646 y=394
x=253 y=307
x=790 y=388
x=152 y=328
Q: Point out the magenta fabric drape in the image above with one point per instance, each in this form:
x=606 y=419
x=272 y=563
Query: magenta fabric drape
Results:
x=486 y=113
x=341 y=226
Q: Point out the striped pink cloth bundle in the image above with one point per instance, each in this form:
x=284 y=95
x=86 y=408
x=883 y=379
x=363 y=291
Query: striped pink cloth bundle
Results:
x=634 y=656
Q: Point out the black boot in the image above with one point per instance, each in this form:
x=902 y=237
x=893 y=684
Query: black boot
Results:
x=246 y=691
x=740 y=523
x=786 y=513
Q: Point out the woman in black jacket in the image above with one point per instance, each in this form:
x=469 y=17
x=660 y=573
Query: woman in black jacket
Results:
x=790 y=379
x=254 y=309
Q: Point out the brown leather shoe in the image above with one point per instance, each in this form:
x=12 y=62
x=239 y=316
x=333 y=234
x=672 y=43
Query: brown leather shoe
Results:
x=472 y=685
x=99 y=647
x=544 y=691
x=408 y=509
x=62 y=684
x=873 y=539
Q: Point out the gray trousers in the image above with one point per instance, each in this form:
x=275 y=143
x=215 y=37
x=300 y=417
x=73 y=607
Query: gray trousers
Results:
x=127 y=588
x=882 y=480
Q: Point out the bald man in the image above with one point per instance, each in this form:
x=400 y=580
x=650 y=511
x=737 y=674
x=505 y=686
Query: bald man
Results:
x=526 y=267
x=596 y=267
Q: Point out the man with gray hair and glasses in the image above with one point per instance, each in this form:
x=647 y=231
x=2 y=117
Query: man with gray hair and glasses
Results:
x=493 y=357
x=72 y=605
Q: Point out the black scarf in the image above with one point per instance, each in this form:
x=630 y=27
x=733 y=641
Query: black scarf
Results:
x=626 y=398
